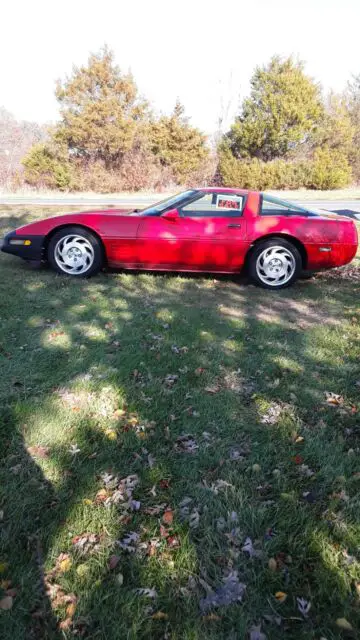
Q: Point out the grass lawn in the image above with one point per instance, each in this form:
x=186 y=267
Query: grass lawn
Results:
x=173 y=464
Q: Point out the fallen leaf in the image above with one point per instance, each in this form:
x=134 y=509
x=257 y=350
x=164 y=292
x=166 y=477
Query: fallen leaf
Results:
x=333 y=398
x=149 y=593
x=211 y=617
x=249 y=548
x=113 y=562
x=4 y=566
x=298 y=459
x=304 y=606
x=280 y=596
x=64 y=562
x=256 y=468
x=231 y=591
x=70 y=610
x=127 y=543
x=186 y=443
x=164 y=483
x=86 y=543
x=342 y=623
x=74 y=449
x=256 y=633
x=168 y=516
x=199 y=371
x=39 y=451
x=120 y=579
x=160 y=615
x=272 y=564
x=5 y=584
x=6 y=603
x=173 y=542
x=64 y=625
x=194 y=519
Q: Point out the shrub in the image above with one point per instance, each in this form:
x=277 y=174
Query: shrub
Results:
x=46 y=165
x=329 y=169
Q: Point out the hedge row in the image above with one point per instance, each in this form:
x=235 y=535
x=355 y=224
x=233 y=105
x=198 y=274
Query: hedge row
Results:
x=328 y=169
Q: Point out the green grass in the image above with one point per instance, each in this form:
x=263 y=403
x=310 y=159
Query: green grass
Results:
x=87 y=363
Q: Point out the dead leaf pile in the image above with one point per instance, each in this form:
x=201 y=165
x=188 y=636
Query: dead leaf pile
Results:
x=119 y=492
x=86 y=543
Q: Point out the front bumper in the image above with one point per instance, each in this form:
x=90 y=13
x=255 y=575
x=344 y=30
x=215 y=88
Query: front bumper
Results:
x=32 y=250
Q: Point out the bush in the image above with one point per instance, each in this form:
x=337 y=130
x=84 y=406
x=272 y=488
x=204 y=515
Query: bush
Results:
x=329 y=169
x=48 y=166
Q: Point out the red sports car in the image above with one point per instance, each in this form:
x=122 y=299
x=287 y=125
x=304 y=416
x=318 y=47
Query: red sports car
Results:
x=210 y=230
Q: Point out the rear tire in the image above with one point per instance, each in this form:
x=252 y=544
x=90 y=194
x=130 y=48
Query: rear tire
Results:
x=76 y=252
x=274 y=264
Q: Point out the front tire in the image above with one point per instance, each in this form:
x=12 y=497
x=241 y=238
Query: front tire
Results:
x=75 y=252
x=275 y=264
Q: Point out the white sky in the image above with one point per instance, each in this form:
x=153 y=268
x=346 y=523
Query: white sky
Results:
x=197 y=50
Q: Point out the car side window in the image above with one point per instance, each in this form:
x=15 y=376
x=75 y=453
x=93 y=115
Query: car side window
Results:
x=217 y=204
x=271 y=207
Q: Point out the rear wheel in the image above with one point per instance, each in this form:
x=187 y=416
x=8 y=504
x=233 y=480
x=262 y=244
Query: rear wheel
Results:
x=275 y=264
x=74 y=251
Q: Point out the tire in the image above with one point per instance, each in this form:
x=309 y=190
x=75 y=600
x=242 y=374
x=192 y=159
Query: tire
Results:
x=274 y=264
x=75 y=252
x=307 y=275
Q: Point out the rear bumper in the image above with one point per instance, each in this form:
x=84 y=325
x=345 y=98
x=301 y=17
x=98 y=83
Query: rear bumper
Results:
x=32 y=251
x=328 y=256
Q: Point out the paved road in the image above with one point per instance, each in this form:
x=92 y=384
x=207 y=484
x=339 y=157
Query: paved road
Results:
x=345 y=207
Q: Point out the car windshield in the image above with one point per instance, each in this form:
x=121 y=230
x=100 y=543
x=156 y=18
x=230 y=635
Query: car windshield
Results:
x=159 y=207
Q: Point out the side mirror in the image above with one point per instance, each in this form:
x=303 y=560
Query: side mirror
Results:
x=172 y=215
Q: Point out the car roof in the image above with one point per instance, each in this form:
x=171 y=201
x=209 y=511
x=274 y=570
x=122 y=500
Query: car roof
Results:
x=222 y=189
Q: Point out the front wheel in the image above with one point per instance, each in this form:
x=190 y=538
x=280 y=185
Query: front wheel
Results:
x=275 y=264
x=74 y=251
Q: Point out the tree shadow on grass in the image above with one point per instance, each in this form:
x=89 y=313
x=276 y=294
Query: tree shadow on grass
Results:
x=87 y=337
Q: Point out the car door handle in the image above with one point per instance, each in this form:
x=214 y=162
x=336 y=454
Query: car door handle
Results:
x=234 y=226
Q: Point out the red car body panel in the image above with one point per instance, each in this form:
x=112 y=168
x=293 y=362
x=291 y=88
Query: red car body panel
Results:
x=215 y=244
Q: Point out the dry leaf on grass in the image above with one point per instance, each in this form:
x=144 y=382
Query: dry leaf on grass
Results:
x=148 y=593
x=255 y=633
x=231 y=591
x=304 y=606
x=160 y=615
x=342 y=623
x=280 y=596
x=333 y=398
x=38 y=451
x=186 y=443
x=86 y=543
x=6 y=603
x=168 y=516
x=249 y=548
x=113 y=562
x=128 y=543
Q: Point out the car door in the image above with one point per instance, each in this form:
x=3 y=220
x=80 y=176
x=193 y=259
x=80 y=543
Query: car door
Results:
x=209 y=234
x=216 y=227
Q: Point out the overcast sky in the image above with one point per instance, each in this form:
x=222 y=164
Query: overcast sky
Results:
x=202 y=51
